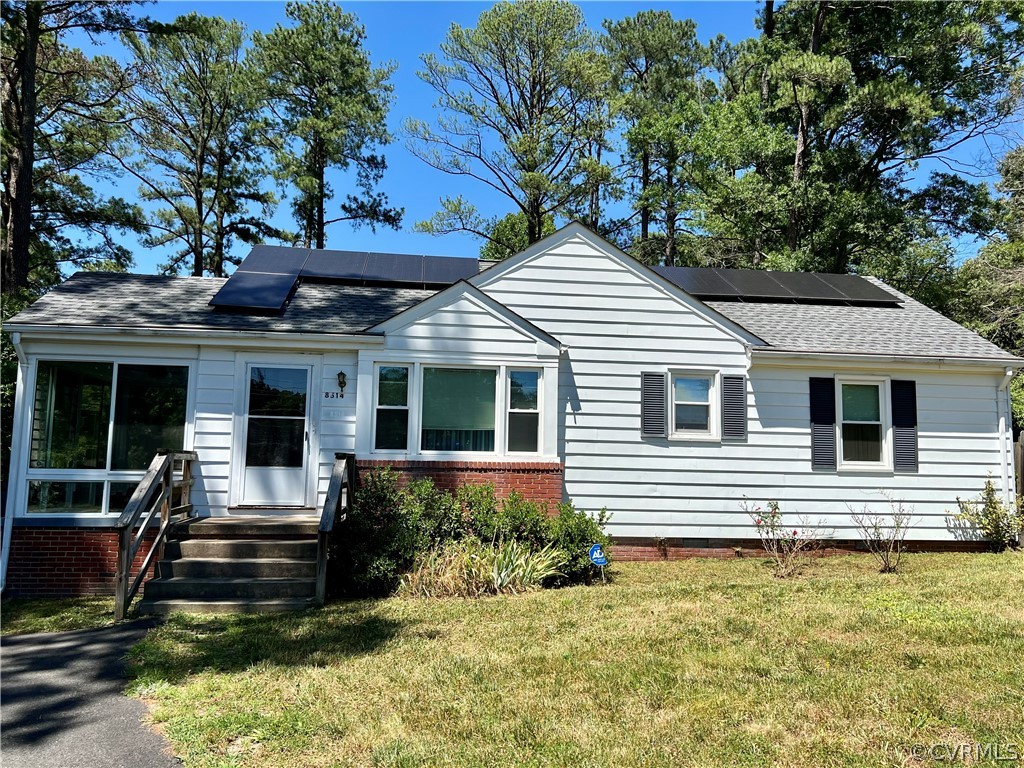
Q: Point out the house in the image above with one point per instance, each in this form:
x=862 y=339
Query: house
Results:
x=666 y=395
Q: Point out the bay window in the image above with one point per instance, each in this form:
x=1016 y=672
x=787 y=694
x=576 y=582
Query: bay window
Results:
x=95 y=429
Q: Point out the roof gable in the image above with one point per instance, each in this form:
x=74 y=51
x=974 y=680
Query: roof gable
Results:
x=576 y=232
x=459 y=296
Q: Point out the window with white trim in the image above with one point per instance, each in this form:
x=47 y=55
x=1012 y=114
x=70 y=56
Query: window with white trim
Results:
x=693 y=404
x=523 y=431
x=863 y=424
x=458 y=410
x=391 y=432
x=96 y=426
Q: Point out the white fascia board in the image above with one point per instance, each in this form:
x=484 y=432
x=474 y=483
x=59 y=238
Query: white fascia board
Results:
x=577 y=231
x=193 y=336
x=781 y=357
x=465 y=289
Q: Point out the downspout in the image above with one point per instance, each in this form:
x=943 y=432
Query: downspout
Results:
x=1005 y=453
x=14 y=477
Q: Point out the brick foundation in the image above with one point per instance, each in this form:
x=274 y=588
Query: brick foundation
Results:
x=650 y=549
x=538 y=481
x=64 y=562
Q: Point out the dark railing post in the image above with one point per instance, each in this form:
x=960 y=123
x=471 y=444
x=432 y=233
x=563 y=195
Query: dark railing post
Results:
x=124 y=537
x=336 y=505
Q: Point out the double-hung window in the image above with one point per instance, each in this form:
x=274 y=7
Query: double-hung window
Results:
x=693 y=395
x=392 y=410
x=523 y=411
x=96 y=426
x=863 y=424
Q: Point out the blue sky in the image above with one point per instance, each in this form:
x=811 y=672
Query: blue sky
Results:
x=399 y=32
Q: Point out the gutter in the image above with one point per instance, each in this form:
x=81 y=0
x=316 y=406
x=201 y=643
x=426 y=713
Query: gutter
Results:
x=195 y=332
x=1009 y=363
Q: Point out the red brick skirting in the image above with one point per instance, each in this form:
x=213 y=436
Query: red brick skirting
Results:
x=649 y=549
x=538 y=481
x=62 y=562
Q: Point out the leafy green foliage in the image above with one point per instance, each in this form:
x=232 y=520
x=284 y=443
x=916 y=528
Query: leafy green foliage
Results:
x=520 y=111
x=329 y=108
x=998 y=522
x=192 y=113
x=574 y=532
x=509 y=235
x=514 y=518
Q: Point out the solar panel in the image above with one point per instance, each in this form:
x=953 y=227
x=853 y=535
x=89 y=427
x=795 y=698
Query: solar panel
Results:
x=447 y=269
x=334 y=265
x=757 y=283
x=393 y=268
x=255 y=291
x=807 y=286
x=274 y=259
x=697 y=280
x=858 y=289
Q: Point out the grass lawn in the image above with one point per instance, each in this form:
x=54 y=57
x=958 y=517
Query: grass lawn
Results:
x=23 y=617
x=694 y=663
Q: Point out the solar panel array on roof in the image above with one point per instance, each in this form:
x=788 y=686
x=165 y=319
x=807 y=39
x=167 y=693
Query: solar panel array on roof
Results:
x=764 y=285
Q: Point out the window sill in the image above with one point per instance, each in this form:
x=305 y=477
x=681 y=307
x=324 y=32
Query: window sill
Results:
x=864 y=469
x=684 y=438
x=65 y=521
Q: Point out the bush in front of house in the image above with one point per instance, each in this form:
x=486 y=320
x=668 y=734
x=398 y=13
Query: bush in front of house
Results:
x=993 y=518
x=424 y=530
x=573 y=531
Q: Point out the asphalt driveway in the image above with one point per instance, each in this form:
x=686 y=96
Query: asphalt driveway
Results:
x=61 y=703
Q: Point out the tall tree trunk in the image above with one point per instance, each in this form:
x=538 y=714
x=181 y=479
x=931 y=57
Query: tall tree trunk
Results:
x=671 y=214
x=534 y=220
x=18 y=230
x=321 y=202
x=801 y=158
x=645 y=207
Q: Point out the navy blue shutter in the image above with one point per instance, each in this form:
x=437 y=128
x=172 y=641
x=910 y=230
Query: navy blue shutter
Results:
x=904 y=425
x=654 y=404
x=734 y=408
x=823 y=423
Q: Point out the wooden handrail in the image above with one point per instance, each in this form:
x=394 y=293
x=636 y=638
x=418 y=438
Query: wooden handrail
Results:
x=152 y=497
x=336 y=507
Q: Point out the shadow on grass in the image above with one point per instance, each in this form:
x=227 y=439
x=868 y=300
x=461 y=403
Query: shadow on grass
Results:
x=189 y=643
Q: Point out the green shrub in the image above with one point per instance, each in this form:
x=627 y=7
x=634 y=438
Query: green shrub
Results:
x=379 y=539
x=574 y=531
x=515 y=518
x=436 y=513
x=470 y=568
x=989 y=514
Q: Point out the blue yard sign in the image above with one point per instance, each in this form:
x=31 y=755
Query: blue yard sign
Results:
x=597 y=556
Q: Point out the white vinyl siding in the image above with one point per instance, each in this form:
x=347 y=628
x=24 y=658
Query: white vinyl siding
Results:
x=616 y=325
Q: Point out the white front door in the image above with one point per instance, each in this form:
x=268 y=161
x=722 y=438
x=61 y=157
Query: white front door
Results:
x=276 y=435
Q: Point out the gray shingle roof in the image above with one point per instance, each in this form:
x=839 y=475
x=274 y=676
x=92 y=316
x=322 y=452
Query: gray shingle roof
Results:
x=911 y=329
x=99 y=299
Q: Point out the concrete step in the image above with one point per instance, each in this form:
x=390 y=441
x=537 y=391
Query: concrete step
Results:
x=223 y=549
x=281 y=525
x=236 y=567
x=187 y=587
x=149 y=607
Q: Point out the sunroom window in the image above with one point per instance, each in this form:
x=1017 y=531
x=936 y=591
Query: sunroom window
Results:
x=95 y=428
x=458 y=409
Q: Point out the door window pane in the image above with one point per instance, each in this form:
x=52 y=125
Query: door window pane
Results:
x=275 y=442
x=71 y=418
x=149 y=413
x=64 y=497
x=277 y=391
x=458 y=409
